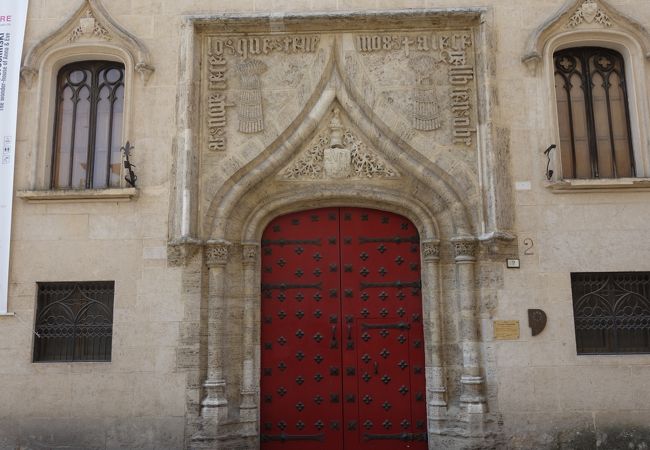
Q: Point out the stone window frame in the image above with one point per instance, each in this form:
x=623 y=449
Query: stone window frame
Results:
x=76 y=41
x=636 y=95
x=571 y=27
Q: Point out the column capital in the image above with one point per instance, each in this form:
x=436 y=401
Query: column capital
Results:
x=465 y=248
x=216 y=252
x=431 y=250
x=180 y=251
x=250 y=253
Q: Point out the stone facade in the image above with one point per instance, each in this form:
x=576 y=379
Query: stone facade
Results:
x=242 y=111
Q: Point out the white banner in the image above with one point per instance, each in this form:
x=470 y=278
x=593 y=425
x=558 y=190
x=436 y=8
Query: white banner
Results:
x=13 y=16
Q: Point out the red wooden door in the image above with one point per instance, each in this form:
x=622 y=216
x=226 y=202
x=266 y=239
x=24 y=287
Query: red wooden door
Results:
x=342 y=342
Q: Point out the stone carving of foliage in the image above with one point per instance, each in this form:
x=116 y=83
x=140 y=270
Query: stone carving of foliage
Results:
x=89 y=26
x=309 y=166
x=365 y=164
x=589 y=12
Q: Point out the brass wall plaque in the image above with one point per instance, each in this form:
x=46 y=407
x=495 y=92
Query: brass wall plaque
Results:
x=506 y=329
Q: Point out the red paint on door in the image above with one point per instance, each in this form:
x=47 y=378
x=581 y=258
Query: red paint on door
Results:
x=342 y=342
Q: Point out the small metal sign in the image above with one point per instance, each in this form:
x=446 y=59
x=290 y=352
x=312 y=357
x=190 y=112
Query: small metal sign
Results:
x=506 y=330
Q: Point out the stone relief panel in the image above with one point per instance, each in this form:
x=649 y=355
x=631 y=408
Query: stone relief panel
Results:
x=589 y=13
x=419 y=85
x=246 y=75
x=434 y=98
x=337 y=152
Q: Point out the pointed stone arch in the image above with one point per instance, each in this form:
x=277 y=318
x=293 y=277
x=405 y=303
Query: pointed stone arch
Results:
x=444 y=193
x=92 y=29
x=576 y=16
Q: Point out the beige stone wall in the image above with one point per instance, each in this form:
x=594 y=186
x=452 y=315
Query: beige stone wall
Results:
x=538 y=389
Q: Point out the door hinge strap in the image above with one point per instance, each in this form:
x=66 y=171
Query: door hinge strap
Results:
x=292 y=437
x=396 y=437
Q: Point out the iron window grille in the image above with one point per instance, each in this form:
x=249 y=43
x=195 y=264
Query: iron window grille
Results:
x=611 y=312
x=593 y=114
x=88 y=125
x=74 y=321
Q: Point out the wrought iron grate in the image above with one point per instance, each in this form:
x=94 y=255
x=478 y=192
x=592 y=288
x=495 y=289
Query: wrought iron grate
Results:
x=74 y=321
x=611 y=312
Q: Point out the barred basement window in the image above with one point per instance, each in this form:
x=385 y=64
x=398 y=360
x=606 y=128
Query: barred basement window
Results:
x=74 y=321
x=593 y=114
x=611 y=312
x=88 y=125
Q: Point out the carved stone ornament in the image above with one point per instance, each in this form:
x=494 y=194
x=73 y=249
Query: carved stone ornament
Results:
x=249 y=109
x=93 y=24
x=426 y=112
x=89 y=27
x=431 y=250
x=589 y=13
x=465 y=248
x=338 y=153
x=249 y=253
x=180 y=252
x=216 y=253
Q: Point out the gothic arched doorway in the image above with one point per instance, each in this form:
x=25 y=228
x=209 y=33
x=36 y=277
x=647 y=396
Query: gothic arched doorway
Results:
x=342 y=346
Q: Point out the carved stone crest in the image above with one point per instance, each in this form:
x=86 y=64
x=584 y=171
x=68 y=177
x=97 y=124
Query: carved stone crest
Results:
x=589 y=12
x=249 y=253
x=338 y=153
x=89 y=27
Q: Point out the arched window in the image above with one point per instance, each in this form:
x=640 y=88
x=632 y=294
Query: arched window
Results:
x=88 y=125
x=593 y=113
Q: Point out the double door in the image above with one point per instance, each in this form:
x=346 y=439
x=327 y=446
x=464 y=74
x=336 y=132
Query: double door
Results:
x=342 y=348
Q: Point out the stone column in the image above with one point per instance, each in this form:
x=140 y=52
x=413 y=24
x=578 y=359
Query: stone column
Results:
x=248 y=407
x=214 y=403
x=436 y=389
x=472 y=382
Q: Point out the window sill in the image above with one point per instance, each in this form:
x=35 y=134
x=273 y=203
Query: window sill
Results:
x=79 y=195
x=598 y=185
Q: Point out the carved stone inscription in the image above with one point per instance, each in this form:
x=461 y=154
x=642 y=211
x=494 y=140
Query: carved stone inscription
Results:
x=427 y=54
x=244 y=56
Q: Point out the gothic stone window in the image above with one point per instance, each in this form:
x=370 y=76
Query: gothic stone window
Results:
x=88 y=125
x=611 y=312
x=593 y=114
x=74 y=321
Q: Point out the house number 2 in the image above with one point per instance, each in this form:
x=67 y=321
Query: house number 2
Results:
x=528 y=246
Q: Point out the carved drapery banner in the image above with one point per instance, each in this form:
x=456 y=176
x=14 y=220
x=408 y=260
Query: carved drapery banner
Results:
x=216 y=253
x=427 y=53
x=89 y=26
x=338 y=153
x=589 y=13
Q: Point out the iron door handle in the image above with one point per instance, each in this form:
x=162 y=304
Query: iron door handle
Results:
x=376 y=368
x=349 y=332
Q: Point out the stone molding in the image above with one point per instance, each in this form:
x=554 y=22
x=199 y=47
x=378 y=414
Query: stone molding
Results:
x=91 y=26
x=216 y=253
x=575 y=15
